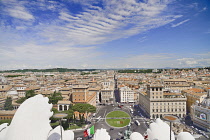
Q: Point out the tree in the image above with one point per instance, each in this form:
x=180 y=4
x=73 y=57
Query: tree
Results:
x=90 y=108
x=79 y=107
x=54 y=110
x=21 y=100
x=8 y=104
x=55 y=97
x=84 y=108
x=70 y=115
x=29 y=94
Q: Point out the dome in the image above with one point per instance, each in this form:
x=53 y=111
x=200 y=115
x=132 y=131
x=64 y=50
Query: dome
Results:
x=206 y=102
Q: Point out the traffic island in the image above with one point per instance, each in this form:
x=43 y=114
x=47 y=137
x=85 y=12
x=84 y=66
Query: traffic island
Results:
x=118 y=119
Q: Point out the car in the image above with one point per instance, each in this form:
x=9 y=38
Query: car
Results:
x=94 y=114
x=137 y=122
x=111 y=129
x=119 y=134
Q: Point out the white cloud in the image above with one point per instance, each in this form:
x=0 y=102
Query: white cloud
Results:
x=17 y=10
x=20 y=13
x=180 y=23
x=34 y=56
x=203 y=60
x=63 y=37
x=118 y=19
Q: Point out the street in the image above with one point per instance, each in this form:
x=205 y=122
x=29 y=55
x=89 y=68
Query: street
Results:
x=102 y=111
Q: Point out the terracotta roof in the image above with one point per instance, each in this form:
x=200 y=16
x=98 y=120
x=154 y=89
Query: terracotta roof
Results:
x=175 y=94
x=196 y=90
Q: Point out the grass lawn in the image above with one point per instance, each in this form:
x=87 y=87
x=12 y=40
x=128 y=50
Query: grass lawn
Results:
x=117 y=114
x=118 y=122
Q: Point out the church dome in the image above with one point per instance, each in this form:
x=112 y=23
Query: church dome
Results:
x=206 y=101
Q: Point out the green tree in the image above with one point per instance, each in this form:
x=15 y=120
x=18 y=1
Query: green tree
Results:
x=21 y=100
x=84 y=108
x=53 y=120
x=70 y=115
x=55 y=97
x=79 y=107
x=8 y=104
x=29 y=94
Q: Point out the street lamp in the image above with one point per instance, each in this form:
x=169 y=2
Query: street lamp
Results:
x=170 y=118
x=60 y=116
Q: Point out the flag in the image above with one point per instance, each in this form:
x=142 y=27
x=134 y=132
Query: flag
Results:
x=85 y=133
x=91 y=130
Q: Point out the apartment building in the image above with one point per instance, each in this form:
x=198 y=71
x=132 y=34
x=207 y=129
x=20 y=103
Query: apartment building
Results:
x=21 y=90
x=107 y=92
x=193 y=95
x=81 y=94
x=156 y=102
x=126 y=95
x=179 y=84
x=200 y=113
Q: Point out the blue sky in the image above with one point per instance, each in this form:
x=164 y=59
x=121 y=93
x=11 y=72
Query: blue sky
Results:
x=104 y=33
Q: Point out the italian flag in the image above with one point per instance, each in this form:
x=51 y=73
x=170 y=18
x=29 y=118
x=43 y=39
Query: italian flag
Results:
x=89 y=131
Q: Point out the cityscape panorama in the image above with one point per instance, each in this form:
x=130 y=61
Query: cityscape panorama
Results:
x=104 y=70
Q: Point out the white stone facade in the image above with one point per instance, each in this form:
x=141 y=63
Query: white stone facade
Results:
x=126 y=95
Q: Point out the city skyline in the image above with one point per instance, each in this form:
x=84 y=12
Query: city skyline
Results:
x=104 y=34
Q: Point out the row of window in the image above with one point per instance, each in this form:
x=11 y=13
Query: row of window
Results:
x=168 y=103
x=156 y=97
x=168 y=107
x=5 y=118
x=78 y=99
x=167 y=110
x=156 y=89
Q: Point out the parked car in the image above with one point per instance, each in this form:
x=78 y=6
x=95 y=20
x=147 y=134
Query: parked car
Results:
x=111 y=128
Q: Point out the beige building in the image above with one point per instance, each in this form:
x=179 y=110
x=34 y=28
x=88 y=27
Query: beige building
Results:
x=156 y=103
x=176 y=84
x=193 y=95
x=107 y=92
x=81 y=94
x=200 y=113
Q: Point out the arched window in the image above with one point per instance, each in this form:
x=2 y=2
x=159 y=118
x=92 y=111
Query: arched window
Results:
x=60 y=107
x=65 y=107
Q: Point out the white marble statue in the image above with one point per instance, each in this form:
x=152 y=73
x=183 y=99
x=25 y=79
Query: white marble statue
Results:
x=136 y=136
x=101 y=134
x=31 y=122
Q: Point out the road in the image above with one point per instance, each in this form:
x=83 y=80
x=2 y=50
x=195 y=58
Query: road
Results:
x=102 y=111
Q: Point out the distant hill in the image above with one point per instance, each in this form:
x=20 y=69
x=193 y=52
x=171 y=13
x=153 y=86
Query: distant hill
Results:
x=47 y=70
